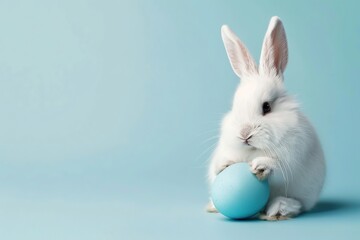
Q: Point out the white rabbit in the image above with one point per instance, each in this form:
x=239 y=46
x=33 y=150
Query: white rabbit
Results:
x=266 y=129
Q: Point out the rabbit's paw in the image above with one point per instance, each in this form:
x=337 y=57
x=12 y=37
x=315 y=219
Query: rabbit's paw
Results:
x=262 y=167
x=210 y=208
x=281 y=208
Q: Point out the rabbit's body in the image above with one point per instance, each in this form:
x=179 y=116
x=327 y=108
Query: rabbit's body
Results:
x=266 y=129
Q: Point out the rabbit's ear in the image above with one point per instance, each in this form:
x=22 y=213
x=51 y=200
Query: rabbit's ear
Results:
x=274 y=53
x=240 y=59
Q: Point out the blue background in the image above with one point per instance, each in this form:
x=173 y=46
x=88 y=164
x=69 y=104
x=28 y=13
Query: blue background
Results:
x=110 y=109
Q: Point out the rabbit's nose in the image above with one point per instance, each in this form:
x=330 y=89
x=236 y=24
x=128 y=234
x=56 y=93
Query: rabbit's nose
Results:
x=245 y=132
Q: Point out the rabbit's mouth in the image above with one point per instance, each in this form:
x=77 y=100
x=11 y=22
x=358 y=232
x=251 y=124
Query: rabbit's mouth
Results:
x=246 y=141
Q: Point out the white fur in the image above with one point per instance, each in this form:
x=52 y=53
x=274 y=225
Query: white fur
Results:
x=283 y=142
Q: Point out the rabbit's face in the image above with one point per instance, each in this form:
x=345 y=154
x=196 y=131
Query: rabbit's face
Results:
x=262 y=112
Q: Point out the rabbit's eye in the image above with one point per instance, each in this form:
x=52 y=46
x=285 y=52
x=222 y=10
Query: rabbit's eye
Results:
x=266 y=108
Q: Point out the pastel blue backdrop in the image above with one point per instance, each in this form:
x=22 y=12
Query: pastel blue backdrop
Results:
x=109 y=110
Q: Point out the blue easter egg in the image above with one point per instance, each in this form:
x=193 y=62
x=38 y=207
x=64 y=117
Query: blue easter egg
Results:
x=237 y=193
